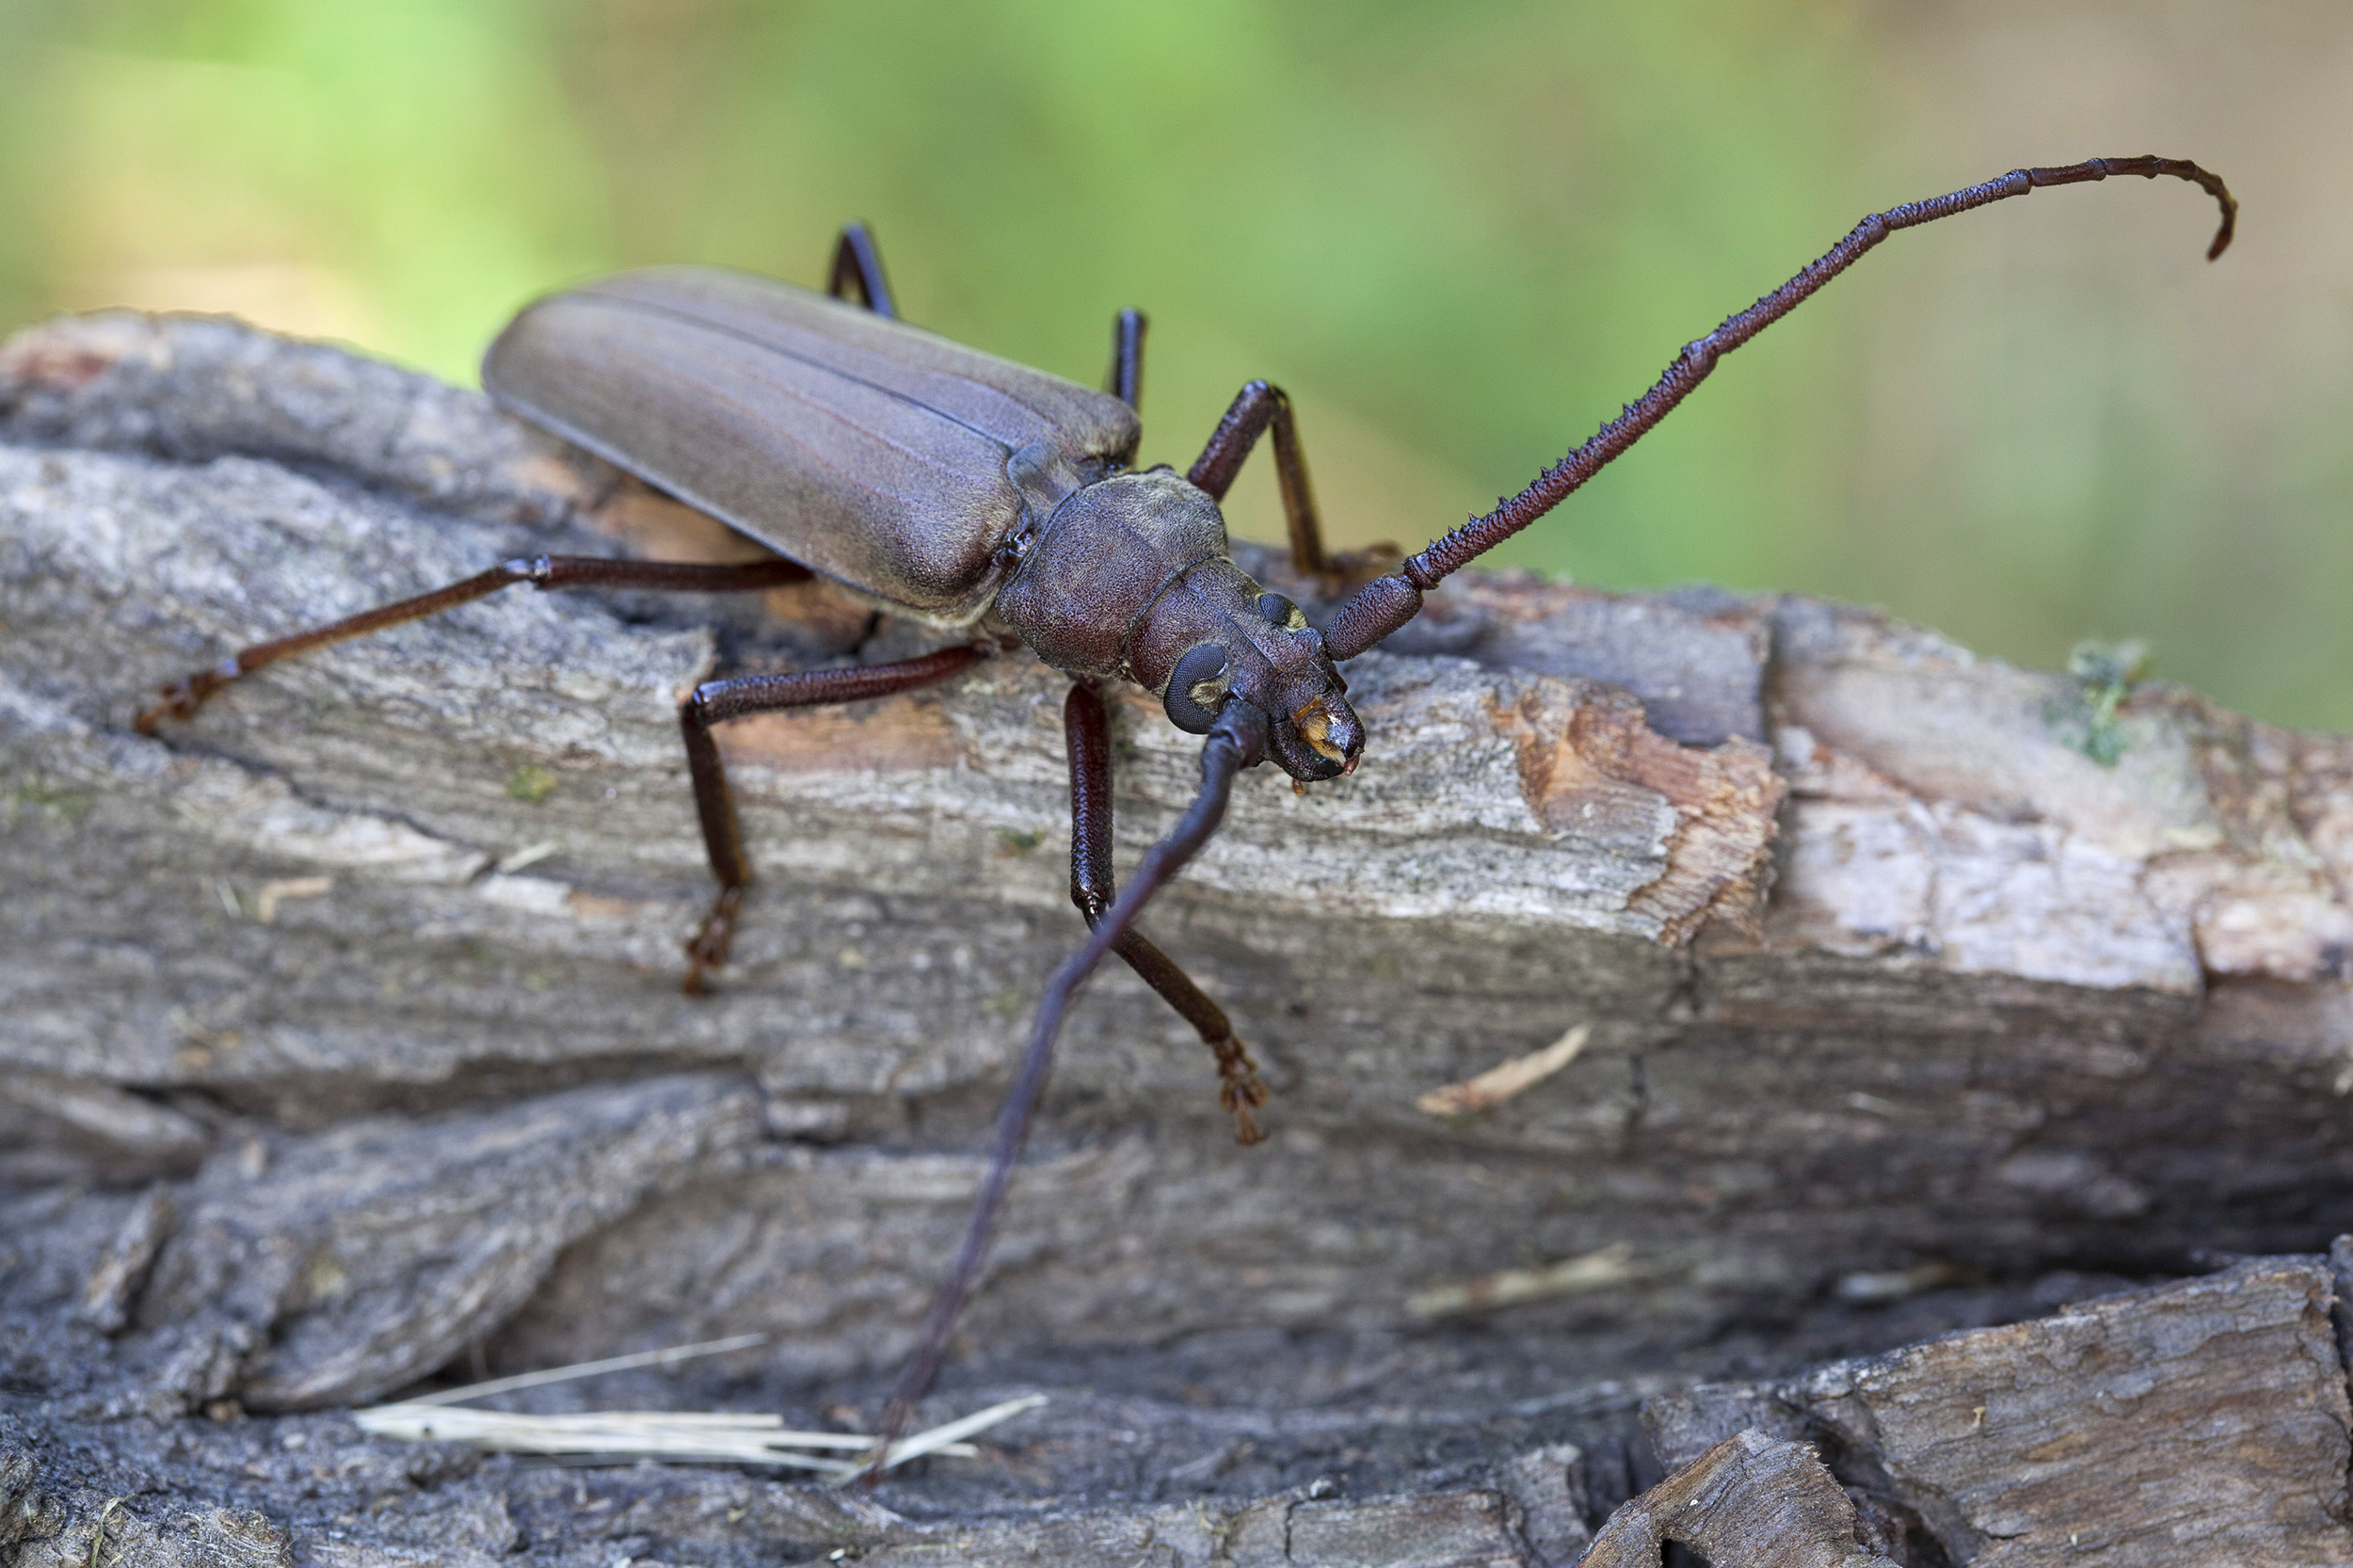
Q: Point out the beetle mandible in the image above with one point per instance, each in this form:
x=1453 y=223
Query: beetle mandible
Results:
x=936 y=482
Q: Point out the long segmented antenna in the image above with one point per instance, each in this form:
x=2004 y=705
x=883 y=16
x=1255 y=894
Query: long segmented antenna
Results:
x=1389 y=602
x=1238 y=740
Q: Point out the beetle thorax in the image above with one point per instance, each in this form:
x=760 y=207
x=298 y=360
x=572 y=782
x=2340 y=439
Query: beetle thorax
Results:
x=1129 y=578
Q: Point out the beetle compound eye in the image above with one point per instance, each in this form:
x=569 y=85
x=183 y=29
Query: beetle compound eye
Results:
x=1281 y=612
x=1196 y=689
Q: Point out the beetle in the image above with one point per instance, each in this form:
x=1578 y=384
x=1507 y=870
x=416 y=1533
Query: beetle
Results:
x=945 y=485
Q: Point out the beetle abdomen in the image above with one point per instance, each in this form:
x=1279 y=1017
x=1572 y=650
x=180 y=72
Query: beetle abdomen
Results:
x=863 y=448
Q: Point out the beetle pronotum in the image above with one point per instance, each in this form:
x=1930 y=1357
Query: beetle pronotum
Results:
x=940 y=483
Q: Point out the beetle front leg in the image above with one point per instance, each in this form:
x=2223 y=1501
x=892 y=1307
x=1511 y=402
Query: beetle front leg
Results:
x=716 y=701
x=1094 y=889
x=1256 y=409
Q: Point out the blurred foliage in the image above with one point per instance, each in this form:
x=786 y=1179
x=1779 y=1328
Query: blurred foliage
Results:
x=1461 y=235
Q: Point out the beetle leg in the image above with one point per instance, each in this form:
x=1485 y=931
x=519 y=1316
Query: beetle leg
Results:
x=181 y=698
x=1092 y=888
x=715 y=701
x=1256 y=407
x=1126 y=381
x=857 y=262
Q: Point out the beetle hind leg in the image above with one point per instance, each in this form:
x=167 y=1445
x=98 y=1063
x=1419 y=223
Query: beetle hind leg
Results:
x=183 y=698
x=1240 y=1090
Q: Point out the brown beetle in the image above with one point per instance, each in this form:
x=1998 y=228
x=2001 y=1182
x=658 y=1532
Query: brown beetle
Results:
x=939 y=483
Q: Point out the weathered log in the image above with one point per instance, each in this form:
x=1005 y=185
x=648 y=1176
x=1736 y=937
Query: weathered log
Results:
x=1748 y=1503
x=2201 y=1422
x=2205 y=1421
x=1905 y=1009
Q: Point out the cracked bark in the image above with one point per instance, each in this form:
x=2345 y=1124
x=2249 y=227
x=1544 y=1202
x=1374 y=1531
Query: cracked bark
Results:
x=342 y=1040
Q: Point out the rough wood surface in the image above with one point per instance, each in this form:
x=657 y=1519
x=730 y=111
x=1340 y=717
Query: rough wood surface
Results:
x=2203 y=1422
x=1748 y=1503
x=339 y=1038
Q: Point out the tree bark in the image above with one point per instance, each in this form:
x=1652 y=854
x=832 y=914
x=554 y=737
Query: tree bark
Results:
x=343 y=1042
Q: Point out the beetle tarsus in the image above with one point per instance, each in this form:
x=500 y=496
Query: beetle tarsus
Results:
x=181 y=698
x=1242 y=1090
x=707 y=950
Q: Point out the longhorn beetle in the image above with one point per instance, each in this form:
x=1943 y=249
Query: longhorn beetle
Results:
x=939 y=483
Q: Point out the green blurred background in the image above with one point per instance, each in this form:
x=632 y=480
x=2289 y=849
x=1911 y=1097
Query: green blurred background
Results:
x=1460 y=235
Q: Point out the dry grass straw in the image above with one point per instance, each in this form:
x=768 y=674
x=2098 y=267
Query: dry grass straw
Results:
x=1498 y=1084
x=673 y=1437
x=1592 y=1270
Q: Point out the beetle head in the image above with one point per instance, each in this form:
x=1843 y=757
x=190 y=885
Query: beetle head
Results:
x=1215 y=636
x=1130 y=575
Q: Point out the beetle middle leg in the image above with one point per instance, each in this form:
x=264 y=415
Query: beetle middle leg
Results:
x=1093 y=889
x=1126 y=381
x=716 y=701
x=1256 y=409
